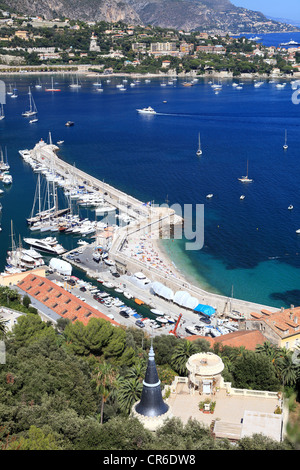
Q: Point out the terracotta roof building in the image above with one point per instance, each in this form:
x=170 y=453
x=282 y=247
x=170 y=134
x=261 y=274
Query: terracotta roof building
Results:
x=249 y=339
x=58 y=300
x=281 y=328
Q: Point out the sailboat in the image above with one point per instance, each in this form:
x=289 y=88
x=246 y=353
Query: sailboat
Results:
x=199 y=151
x=285 y=146
x=19 y=259
x=2 y=115
x=38 y=85
x=4 y=166
x=52 y=87
x=75 y=84
x=9 y=92
x=245 y=179
x=32 y=111
x=14 y=94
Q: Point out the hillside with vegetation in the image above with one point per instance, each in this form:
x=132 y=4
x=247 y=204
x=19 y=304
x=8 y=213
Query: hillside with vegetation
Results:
x=202 y=15
x=72 y=387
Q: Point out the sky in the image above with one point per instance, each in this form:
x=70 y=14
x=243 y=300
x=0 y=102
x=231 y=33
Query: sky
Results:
x=289 y=9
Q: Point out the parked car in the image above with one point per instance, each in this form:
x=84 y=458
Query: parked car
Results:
x=124 y=314
x=140 y=324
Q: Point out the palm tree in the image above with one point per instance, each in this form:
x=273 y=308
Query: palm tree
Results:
x=129 y=392
x=182 y=352
x=267 y=348
x=289 y=371
x=3 y=327
x=105 y=378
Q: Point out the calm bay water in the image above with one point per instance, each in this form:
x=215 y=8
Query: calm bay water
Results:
x=249 y=244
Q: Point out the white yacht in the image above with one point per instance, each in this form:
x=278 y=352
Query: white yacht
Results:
x=7 y=179
x=148 y=110
x=48 y=245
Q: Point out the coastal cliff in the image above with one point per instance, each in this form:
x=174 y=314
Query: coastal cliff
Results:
x=189 y=15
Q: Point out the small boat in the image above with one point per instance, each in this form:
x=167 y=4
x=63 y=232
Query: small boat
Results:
x=285 y=146
x=108 y=262
x=209 y=196
x=118 y=290
x=199 y=151
x=242 y=196
x=148 y=110
x=7 y=179
x=191 y=330
x=162 y=320
x=127 y=295
x=245 y=179
x=32 y=121
x=69 y=123
x=156 y=311
x=59 y=142
x=108 y=285
x=170 y=319
x=290 y=207
x=298 y=231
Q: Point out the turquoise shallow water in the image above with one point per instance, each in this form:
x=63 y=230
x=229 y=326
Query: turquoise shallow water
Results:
x=250 y=244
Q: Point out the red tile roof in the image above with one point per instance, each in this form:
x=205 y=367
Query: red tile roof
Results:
x=286 y=322
x=247 y=338
x=59 y=300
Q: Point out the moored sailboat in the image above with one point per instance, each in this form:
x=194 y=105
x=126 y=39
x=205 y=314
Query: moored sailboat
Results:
x=285 y=145
x=32 y=111
x=245 y=179
x=199 y=151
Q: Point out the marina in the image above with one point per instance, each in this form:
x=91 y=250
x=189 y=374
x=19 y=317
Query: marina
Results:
x=132 y=256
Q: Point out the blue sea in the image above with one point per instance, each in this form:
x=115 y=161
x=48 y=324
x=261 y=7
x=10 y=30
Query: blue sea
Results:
x=250 y=245
x=274 y=39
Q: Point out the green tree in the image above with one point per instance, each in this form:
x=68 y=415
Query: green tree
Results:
x=255 y=371
x=36 y=440
x=181 y=354
x=30 y=328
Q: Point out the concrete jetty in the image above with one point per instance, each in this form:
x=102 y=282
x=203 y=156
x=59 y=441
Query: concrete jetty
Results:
x=144 y=219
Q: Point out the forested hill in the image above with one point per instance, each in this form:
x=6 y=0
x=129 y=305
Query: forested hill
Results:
x=203 y=15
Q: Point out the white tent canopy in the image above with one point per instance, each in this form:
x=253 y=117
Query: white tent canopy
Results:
x=162 y=290
x=184 y=299
x=61 y=266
